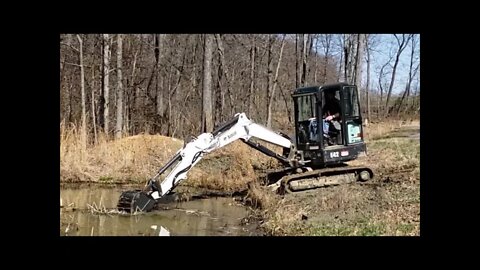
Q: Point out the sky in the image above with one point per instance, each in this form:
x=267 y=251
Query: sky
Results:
x=387 y=44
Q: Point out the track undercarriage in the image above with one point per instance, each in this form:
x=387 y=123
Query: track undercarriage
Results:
x=296 y=180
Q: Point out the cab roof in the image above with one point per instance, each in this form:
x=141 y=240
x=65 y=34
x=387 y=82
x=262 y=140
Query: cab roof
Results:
x=315 y=89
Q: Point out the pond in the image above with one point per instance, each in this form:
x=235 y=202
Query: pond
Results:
x=217 y=216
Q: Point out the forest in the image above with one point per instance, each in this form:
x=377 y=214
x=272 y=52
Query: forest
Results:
x=118 y=85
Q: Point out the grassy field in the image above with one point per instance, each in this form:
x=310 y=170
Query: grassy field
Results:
x=389 y=204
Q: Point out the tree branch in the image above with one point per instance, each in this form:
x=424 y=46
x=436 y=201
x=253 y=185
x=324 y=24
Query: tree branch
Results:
x=75 y=49
x=72 y=64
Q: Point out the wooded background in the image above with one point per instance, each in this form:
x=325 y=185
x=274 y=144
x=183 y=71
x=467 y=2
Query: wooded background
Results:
x=183 y=84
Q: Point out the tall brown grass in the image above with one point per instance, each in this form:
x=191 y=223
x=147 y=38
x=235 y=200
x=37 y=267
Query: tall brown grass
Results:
x=135 y=159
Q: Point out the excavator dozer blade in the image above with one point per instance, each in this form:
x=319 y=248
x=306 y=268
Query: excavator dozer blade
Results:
x=135 y=201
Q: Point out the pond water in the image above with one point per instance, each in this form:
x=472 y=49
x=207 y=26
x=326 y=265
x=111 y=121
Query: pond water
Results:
x=217 y=216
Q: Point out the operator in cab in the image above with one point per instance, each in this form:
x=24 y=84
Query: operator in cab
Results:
x=331 y=109
x=331 y=113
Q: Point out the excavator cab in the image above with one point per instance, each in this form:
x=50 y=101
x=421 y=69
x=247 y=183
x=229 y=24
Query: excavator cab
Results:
x=328 y=141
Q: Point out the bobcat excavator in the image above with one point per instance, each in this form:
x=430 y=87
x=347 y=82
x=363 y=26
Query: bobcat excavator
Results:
x=315 y=157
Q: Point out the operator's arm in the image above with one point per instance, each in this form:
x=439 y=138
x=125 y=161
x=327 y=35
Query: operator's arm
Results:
x=332 y=111
x=238 y=128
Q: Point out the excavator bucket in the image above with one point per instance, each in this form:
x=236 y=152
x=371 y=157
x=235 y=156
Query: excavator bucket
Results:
x=135 y=201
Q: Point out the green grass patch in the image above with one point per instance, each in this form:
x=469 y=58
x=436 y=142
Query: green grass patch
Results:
x=360 y=227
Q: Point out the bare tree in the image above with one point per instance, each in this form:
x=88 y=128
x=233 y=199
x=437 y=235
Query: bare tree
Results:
x=411 y=73
x=341 y=45
x=271 y=40
x=315 y=61
x=224 y=68
x=359 y=62
x=269 y=115
x=380 y=81
x=251 y=93
x=207 y=122
x=82 y=84
x=106 y=71
x=297 y=65
x=160 y=75
x=159 y=40
x=326 y=41
x=347 y=51
x=93 y=107
x=304 y=59
x=367 y=88
x=118 y=128
x=402 y=43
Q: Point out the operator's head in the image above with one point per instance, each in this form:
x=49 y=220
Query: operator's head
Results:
x=329 y=95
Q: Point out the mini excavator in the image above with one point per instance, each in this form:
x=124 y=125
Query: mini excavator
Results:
x=313 y=157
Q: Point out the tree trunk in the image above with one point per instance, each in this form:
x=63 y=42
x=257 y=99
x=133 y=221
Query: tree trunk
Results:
x=315 y=61
x=297 y=68
x=380 y=85
x=82 y=83
x=252 y=93
x=228 y=78
x=401 y=46
x=106 y=67
x=93 y=106
x=346 y=52
x=342 y=45
x=219 y=97
x=159 y=90
x=133 y=97
x=118 y=129
x=269 y=74
x=358 y=64
x=207 y=123
x=326 y=41
x=367 y=90
x=411 y=75
x=304 y=60
x=269 y=116
x=350 y=56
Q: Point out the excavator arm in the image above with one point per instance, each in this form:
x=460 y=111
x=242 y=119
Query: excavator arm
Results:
x=240 y=127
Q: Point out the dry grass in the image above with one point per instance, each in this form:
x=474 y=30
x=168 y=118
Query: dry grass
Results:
x=260 y=197
x=375 y=130
x=131 y=159
x=228 y=169
x=284 y=217
x=137 y=158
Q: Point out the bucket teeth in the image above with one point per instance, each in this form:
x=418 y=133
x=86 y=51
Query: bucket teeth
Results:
x=135 y=201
